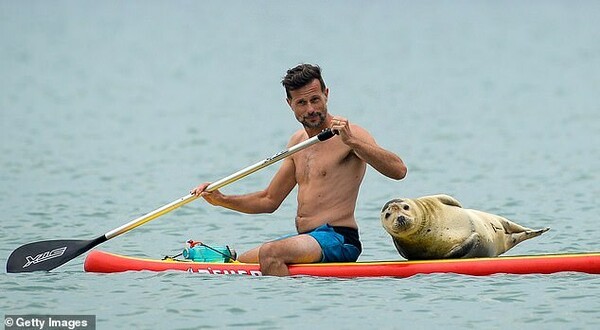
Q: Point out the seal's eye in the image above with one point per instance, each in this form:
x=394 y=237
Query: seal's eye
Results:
x=406 y=207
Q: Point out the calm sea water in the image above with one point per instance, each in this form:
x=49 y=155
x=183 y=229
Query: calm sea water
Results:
x=111 y=109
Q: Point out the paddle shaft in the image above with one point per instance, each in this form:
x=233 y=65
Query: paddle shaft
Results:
x=326 y=134
x=47 y=255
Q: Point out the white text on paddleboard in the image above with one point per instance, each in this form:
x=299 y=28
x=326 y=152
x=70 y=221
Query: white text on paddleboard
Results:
x=212 y=271
x=45 y=256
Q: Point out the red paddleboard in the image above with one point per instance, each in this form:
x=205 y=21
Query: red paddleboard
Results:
x=104 y=262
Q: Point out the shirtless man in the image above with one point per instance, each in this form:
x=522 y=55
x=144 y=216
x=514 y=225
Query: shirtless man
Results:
x=328 y=175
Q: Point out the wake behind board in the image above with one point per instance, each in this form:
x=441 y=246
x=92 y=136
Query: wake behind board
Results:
x=104 y=262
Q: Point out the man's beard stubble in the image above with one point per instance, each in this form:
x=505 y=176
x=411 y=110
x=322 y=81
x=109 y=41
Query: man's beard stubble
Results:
x=318 y=124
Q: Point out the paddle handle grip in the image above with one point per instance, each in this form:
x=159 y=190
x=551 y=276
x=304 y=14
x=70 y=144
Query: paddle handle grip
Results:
x=324 y=135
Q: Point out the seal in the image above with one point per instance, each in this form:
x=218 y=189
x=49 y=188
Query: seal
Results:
x=438 y=227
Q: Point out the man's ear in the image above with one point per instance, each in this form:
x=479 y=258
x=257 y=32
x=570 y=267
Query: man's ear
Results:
x=289 y=102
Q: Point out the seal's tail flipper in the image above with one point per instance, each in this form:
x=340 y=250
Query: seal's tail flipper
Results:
x=515 y=228
x=517 y=238
x=535 y=233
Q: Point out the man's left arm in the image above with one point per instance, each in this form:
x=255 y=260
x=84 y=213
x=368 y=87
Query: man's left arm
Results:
x=365 y=147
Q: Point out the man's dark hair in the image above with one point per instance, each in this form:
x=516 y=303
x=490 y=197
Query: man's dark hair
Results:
x=301 y=76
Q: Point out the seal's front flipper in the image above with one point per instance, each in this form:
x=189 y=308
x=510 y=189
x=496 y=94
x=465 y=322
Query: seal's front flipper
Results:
x=466 y=249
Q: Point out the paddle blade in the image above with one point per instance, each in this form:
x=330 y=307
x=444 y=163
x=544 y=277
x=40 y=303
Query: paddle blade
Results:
x=47 y=255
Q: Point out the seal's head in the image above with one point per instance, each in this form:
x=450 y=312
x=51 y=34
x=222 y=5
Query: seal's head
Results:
x=398 y=217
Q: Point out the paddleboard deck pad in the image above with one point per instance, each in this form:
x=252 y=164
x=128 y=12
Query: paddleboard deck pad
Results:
x=104 y=262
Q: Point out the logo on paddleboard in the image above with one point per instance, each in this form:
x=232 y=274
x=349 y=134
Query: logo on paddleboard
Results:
x=45 y=256
x=214 y=271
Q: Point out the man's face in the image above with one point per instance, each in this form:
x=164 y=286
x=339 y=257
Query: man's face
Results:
x=309 y=104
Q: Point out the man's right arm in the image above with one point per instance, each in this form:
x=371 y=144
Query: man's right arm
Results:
x=264 y=201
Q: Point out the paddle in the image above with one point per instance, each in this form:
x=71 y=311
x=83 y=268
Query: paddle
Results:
x=47 y=255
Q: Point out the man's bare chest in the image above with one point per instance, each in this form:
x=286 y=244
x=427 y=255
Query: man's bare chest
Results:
x=320 y=163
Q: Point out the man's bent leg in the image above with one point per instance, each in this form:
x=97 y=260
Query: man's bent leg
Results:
x=275 y=256
x=250 y=256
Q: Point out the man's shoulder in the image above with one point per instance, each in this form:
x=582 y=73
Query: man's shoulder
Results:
x=298 y=136
x=357 y=126
x=359 y=129
x=301 y=133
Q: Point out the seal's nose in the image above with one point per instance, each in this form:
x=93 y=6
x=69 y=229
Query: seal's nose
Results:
x=401 y=219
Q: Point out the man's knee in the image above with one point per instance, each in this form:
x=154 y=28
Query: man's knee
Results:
x=269 y=252
x=271 y=259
